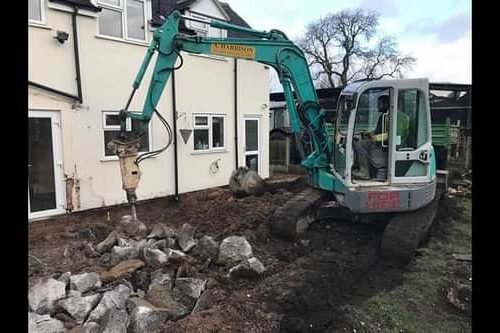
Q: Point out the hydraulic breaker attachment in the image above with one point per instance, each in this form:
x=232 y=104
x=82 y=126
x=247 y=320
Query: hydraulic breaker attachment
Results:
x=127 y=153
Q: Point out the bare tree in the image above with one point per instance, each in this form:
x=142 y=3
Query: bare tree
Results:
x=338 y=52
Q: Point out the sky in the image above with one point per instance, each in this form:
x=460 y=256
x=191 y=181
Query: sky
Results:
x=436 y=32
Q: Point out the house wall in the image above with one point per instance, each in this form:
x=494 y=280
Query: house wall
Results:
x=108 y=67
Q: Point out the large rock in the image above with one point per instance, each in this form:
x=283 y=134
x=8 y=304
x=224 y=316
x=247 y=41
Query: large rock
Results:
x=114 y=321
x=121 y=270
x=129 y=242
x=119 y=253
x=186 y=237
x=205 y=301
x=107 y=243
x=234 y=249
x=155 y=257
x=144 y=316
x=43 y=295
x=248 y=268
x=244 y=181
x=113 y=299
x=188 y=290
x=64 y=277
x=141 y=279
x=161 y=231
x=161 y=296
x=207 y=248
x=162 y=279
x=43 y=324
x=133 y=229
x=85 y=281
x=92 y=327
x=175 y=255
x=78 y=307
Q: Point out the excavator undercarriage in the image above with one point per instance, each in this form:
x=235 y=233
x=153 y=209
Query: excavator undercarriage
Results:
x=403 y=234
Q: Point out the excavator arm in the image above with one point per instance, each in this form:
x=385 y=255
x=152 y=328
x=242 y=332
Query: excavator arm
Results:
x=272 y=48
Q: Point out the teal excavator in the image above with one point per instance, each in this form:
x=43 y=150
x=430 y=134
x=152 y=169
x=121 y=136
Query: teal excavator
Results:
x=397 y=186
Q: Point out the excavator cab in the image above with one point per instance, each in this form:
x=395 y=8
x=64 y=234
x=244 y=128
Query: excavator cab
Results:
x=386 y=125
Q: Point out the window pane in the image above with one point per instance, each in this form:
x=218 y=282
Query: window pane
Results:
x=412 y=119
x=251 y=135
x=201 y=139
x=112 y=120
x=34 y=10
x=110 y=23
x=135 y=20
x=252 y=162
x=218 y=132
x=144 y=139
x=108 y=137
x=200 y=121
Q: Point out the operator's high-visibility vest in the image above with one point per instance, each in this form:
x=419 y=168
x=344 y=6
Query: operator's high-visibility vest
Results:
x=403 y=127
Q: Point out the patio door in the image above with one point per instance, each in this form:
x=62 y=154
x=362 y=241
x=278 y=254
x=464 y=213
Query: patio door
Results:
x=45 y=174
x=252 y=143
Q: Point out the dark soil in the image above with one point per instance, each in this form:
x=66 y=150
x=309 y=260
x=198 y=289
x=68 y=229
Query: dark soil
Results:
x=307 y=284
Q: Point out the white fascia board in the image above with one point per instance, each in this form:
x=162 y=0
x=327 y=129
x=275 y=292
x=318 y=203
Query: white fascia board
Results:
x=69 y=9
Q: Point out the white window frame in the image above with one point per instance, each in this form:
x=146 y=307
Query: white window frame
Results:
x=209 y=127
x=122 y=9
x=42 y=15
x=106 y=127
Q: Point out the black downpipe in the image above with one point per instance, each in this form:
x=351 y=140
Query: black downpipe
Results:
x=236 y=110
x=55 y=91
x=174 y=108
x=77 y=55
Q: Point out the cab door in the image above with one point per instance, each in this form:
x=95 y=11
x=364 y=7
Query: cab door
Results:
x=411 y=147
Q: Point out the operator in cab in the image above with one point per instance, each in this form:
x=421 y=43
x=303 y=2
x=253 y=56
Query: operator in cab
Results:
x=369 y=150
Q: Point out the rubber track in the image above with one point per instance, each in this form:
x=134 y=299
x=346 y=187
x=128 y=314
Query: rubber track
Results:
x=293 y=218
x=404 y=233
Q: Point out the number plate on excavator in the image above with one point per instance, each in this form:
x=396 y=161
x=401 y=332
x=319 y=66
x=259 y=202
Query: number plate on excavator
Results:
x=380 y=200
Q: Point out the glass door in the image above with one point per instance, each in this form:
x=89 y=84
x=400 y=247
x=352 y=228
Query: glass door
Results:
x=44 y=165
x=413 y=149
x=252 y=144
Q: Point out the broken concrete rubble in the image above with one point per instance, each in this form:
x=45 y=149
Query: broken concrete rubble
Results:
x=107 y=243
x=43 y=295
x=207 y=248
x=121 y=270
x=64 y=277
x=84 y=282
x=159 y=278
x=78 y=307
x=155 y=257
x=91 y=327
x=234 y=249
x=119 y=253
x=175 y=255
x=134 y=229
x=248 y=268
x=186 y=237
x=144 y=316
x=161 y=296
x=206 y=300
x=188 y=290
x=114 y=321
x=113 y=299
x=161 y=231
x=44 y=324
